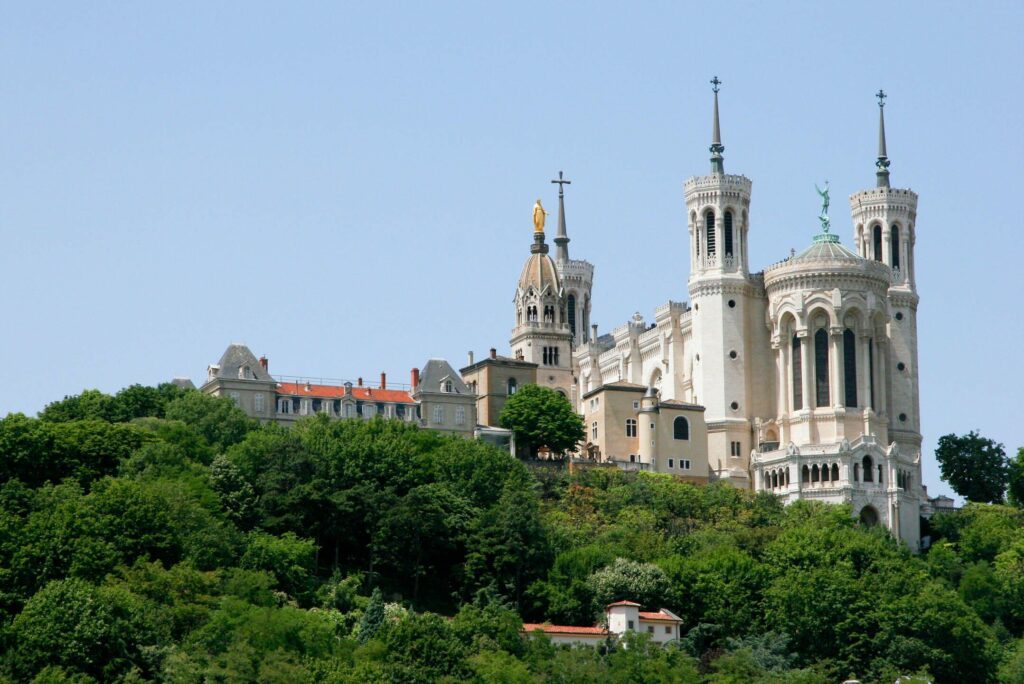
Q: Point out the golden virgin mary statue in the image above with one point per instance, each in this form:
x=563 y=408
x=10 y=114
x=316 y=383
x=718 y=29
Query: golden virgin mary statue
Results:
x=538 y=217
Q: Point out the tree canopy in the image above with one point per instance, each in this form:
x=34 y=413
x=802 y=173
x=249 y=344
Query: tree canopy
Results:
x=975 y=466
x=541 y=417
x=192 y=544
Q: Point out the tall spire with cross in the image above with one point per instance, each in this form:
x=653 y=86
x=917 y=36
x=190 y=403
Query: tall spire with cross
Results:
x=717 y=148
x=562 y=239
x=882 y=174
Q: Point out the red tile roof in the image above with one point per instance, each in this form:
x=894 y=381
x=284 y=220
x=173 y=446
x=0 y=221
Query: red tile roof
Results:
x=563 y=629
x=333 y=391
x=657 y=616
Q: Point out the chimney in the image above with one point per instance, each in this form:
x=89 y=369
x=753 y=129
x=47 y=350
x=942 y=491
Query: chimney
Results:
x=348 y=389
x=359 y=382
x=470 y=359
x=383 y=380
x=264 y=363
x=494 y=353
x=309 y=388
x=415 y=378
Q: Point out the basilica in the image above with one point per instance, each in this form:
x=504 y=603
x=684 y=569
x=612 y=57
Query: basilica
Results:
x=800 y=379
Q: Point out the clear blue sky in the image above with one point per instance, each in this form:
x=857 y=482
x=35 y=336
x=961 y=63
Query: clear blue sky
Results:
x=348 y=189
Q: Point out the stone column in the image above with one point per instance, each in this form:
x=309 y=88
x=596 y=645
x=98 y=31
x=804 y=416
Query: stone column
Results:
x=881 y=375
x=863 y=373
x=835 y=346
x=780 y=374
x=886 y=240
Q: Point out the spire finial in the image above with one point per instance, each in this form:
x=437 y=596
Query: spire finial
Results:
x=882 y=174
x=562 y=239
x=717 y=148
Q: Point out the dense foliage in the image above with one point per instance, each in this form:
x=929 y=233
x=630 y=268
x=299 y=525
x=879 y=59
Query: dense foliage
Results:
x=161 y=535
x=975 y=466
x=541 y=417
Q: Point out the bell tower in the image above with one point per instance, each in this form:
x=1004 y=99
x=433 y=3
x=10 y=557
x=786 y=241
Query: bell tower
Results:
x=725 y=309
x=885 y=230
x=542 y=334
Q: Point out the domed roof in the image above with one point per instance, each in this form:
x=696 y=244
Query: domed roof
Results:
x=827 y=249
x=539 y=272
x=825 y=258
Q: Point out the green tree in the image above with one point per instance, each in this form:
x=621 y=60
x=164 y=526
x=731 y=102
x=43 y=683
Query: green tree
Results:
x=216 y=419
x=541 y=417
x=73 y=624
x=1015 y=479
x=975 y=466
x=288 y=558
x=626 y=580
x=373 y=618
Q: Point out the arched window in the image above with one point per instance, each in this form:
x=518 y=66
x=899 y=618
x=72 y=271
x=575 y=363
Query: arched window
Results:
x=786 y=472
x=815 y=473
x=798 y=380
x=824 y=473
x=631 y=427
x=709 y=228
x=805 y=474
x=868 y=516
x=868 y=468
x=681 y=428
x=835 y=472
x=821 y=368
x=856 y=472
x=511 y=386
x=877 y=235
x=728 y=233
x=894 y=246
x=850 y=367
x=775 y=479
x=571 y=303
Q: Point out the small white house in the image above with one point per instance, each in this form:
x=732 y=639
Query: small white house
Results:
x=620 y=617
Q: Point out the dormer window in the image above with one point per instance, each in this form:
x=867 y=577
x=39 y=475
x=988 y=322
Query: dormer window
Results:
x=446 y=386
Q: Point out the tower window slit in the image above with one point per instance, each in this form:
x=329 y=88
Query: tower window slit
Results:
x=709 y=227
x=728 y=233
x=877 y=233
x=894 y=246
x=572 y=314
x=850 y=367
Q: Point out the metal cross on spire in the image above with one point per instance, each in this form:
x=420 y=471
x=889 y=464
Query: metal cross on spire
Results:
x=562 y=238
x=881 y=97
x=561 y=184
x=715 y=83
x=717 y=148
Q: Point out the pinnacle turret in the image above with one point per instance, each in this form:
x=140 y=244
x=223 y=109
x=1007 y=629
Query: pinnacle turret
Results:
x=717 y=148
x=882 y=174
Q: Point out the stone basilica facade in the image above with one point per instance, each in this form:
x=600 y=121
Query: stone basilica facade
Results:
x=800 y=379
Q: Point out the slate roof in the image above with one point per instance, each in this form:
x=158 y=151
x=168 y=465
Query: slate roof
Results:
x=437 y=370
x=238 y=356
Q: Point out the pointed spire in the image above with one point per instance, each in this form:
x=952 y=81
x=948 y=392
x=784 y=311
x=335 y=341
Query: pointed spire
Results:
x=882 y=174
x=717 y=148
x=562 y=239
